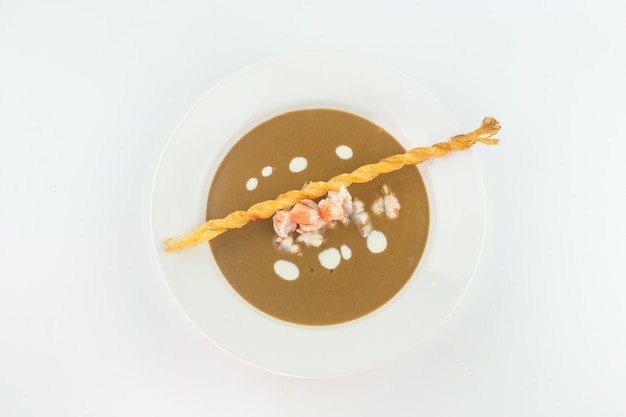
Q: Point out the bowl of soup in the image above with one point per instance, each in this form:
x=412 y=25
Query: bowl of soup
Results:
x=348 y=295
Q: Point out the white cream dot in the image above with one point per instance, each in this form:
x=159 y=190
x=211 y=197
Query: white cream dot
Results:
x=346 y=252
x=298 y=164
x=376 y=241
x=344 y=152
x=286 y=270
x=251 y=184
x=329 y=258
x=267 y=171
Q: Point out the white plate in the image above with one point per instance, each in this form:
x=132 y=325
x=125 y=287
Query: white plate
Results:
x=317 y=80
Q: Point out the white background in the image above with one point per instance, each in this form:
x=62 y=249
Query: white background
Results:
x=89 y=94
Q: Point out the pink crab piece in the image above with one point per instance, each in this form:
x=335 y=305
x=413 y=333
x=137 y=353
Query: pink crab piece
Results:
x=344 y=199
x=306 y=216
x=283 y=226
x=330 y=210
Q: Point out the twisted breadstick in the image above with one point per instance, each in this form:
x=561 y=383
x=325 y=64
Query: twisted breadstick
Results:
x=265 y=209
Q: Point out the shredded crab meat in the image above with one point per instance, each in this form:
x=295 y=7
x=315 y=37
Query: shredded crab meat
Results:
x=314 y=239
x=283 y=226
x=378 y=207
x=388 y=204
x=361 y=218
x=344 y=199
x=287 y=244
x=392 y=206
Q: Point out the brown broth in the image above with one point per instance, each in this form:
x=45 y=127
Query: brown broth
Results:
x=318 y=296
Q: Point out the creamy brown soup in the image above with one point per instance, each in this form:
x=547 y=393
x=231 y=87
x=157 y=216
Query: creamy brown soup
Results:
x=257 y=168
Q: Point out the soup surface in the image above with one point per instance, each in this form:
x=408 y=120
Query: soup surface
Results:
x=348 y=276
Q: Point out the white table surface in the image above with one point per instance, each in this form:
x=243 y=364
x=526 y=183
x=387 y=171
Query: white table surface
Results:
x=89 y=94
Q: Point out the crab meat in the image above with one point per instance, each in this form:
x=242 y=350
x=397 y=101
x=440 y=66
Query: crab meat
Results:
x=314 y=239
x=287 y=244
x=330 y=210
x=387 y=204
x=361 y=218
x=307 y=220
x=344 y=199
x=307 y=215
x=378 y=207
x=283 y=226
x=392 y=206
